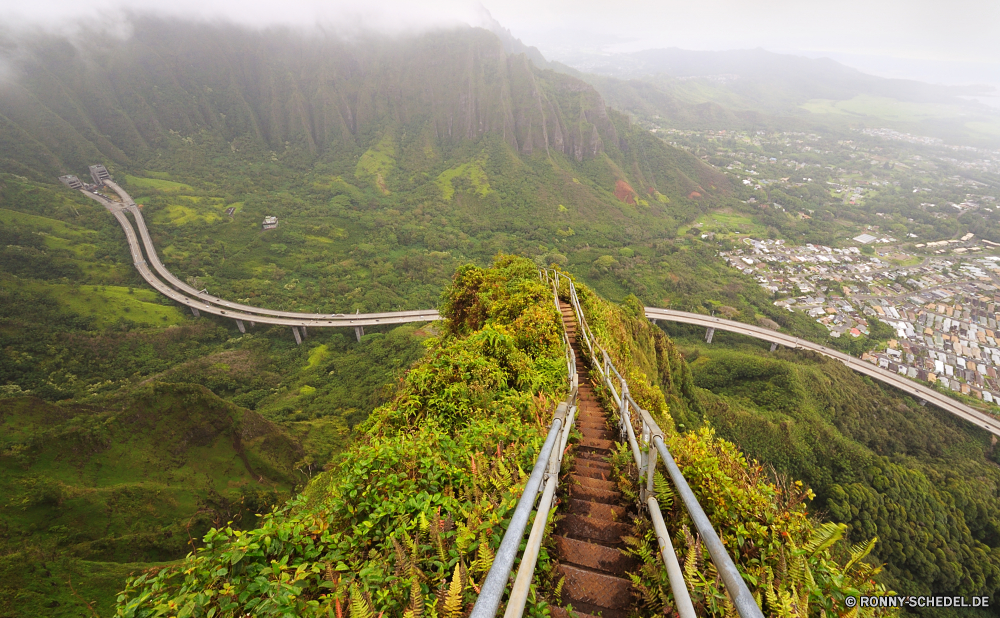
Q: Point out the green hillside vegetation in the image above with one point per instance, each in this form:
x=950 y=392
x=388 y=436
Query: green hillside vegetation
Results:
x=925 y=482
x=91 y=493
x=377 y=202
x=791 y=559
x=409 y=519
x=418 y=503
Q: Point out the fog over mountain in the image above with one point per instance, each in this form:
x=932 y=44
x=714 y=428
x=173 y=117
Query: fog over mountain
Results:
x=931 y=41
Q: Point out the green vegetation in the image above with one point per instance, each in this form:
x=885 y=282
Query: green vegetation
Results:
x=160 y=184
x=91 y=493
x=410 y=516
x=471 y=172
x=791 y=560
x=878 y=463
x=109 y=305
x=378 y=204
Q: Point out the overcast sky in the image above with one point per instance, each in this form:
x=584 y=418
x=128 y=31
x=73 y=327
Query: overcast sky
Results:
x=909 y=35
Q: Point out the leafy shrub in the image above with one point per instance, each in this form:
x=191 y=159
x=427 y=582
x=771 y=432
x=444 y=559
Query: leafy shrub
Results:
x=409 y=518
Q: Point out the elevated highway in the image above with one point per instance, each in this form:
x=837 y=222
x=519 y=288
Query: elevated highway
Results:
x=200 y=302
x=712 y=323
x=154 y=260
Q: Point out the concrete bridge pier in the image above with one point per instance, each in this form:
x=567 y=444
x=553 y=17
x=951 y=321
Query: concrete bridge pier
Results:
x=359 y=332
x=239 y=325
x=709 y=334
x=774 y=346
x=194 y=310
x=298 y=337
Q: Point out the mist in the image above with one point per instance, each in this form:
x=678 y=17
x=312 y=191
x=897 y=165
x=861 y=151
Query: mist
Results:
x=923 y=39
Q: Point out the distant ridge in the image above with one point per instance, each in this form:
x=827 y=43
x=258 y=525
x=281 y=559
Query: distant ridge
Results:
x=273 y=90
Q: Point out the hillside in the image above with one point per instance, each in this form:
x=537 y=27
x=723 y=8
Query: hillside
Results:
x=878 y=462
x=391 y=165
x=758 y=89
x=428 y=150
x=91 y=493
x=71 y=103
x=352 y=542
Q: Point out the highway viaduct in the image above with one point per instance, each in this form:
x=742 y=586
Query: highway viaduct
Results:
x=925 y=393
x=200 y=301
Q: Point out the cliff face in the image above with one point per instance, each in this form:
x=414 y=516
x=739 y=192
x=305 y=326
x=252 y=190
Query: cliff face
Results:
x=69 y=104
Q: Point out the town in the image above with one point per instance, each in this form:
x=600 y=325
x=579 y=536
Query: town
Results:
x=944 y=309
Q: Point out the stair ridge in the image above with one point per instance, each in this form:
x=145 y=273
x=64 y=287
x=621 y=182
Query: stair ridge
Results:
x=594 y=568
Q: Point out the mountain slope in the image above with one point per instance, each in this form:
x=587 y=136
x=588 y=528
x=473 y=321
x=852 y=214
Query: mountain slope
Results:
x=121 y=100
x=91 y=493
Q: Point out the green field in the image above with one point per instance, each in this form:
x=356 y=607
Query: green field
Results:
x=958 y=118
x=157 y=184
x=185 y=209
x=108 y=304
x=726 y=224
x=884 y=108
x=116 y=492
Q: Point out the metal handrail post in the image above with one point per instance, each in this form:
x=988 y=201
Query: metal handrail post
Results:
x=650 y=469
x=737 y=588
x=522 y=583
x=496 y=580
x=682 y=598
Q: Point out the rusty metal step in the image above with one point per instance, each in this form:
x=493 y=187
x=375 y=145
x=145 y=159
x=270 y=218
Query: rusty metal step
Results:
x=597 y=589
x=594 y=473
x=592 y=456
x=600 y=434
x=592 y=529
x=594 y=495
x=589 y=467
x=596 y=443
x=597 y=557
x=599 y=510
x=582 y=610
x=596 y=483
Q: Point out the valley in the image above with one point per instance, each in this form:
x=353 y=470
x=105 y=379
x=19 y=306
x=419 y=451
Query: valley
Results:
x=390 y=202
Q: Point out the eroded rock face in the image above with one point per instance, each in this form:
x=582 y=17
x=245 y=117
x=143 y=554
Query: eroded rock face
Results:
x=278 y=89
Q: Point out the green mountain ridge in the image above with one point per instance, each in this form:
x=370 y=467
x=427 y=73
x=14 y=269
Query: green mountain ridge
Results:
x=120 y=100
x=116 y=487
x=758 y=89
x=388 y=164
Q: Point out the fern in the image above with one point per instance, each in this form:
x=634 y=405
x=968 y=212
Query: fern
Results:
x=823 y=537
x=484 y=556
x=402 y=561
x=557 y=591
x=416 y=596
x=423 y=523
x=664 y=492
x=453 y=602
x=359 y=604
x=859 y=551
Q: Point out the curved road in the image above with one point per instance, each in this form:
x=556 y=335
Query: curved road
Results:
x=980 y=419
x=147 y=241
x=281 y=319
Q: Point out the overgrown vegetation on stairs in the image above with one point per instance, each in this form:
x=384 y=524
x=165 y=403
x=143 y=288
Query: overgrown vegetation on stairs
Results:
x=407 y=520
x=795 y=565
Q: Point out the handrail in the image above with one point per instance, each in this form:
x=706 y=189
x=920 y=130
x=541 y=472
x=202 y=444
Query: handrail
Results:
x=644 y=450
x=546 y=469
